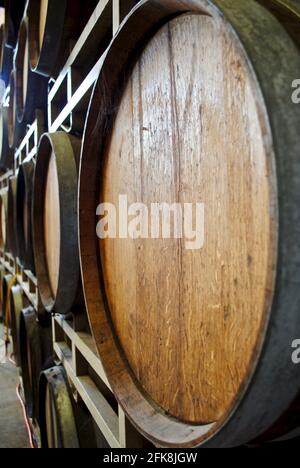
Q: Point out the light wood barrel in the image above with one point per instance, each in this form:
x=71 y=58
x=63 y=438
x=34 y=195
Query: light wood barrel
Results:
x=55 y=225
x=31 y=88
x=16 y=305
x=196 y=338
x=24 y=215
x=11 y=240
x=52 y=26
x=3 y=218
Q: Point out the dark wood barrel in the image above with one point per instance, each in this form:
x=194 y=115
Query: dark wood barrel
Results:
x=36 y=356
x=31 y=361
x=287 y=12
x=16 y=131
x=55 y=226
x=3 y=218
x=24 y=215
x=11 y=241
x=65 y=423
x=53 y=27
x=16 y=306
x=6 y=154
x=31 y=88
x=2 y=44
x=6 y=57
x=196 y=339
x=14 y=11
x=12 y=112
x=8 y=282
x=2 y=274
x=57 y=419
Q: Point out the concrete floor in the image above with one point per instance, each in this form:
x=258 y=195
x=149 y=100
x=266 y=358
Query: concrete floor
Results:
x=13 y=432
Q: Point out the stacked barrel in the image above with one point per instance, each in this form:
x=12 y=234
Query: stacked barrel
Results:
x=193 y=104
x=37 y=38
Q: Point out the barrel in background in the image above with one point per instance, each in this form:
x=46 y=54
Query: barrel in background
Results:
x=36 y=356
x=24 y=203
x=6 y=154
x=54 y=26
x=55 y=221
x=2 y=307
x=6 y=57
x=16 y=305
x=14 y=11
x=7 y=282
x=58 y=426
x=3 y=218
x=16 y=130
x=11 y=216
x=30 y=88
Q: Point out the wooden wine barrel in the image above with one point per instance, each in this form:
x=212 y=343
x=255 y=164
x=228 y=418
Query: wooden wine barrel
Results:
x=31 y=88
x=287 y=426
x=3 y=218
x=31 y=360
x=2 y=44
x=16 y=130
x=36 y=356
x=57 y=419
x=16 y=306
x=6 y=285
x=14 y=11
x=6 y=57
x=12 y=112
x=2 y=274
x=52 y=26
x=24 y=215
x=196 y=338
x=6 y=155
x=55 y=226
x=287 y=13
x=65 y=423
x=11 y=241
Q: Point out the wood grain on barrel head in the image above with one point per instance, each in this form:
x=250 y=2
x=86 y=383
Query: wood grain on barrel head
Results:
x=188 y=131
x=52 y=225
x=43 y=18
